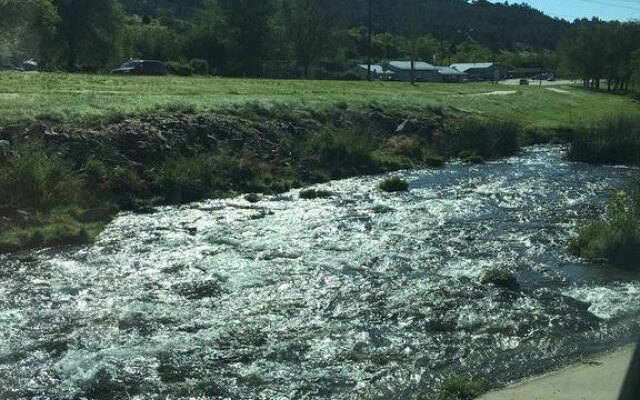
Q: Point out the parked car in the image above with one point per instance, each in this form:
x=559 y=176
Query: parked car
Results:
x=30 y=65
x=141 y=67
x=524 y=82
x=15 y=65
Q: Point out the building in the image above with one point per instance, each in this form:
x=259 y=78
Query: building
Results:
x=422 y=71
x=361 y=71
x=484 y=71
x=452 y=75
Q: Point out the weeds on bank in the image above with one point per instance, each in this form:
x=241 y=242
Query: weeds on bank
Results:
x=32 y=179
x=460 y=388
x=613 y=140
x=616 y=238
x=340 y=153
x=42 y=201
x=487 y=139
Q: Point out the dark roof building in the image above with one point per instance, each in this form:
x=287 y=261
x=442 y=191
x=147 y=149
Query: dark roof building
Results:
x=449 y=74
x=486 y=71
x=422 y=71
x=378 y=72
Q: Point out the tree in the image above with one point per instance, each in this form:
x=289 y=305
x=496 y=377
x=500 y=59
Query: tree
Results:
x=208 y=38
x=89 y=33
x=248 y=22
x=598 y=50
x=25 y=23
x=151 y=41
x=311 y=24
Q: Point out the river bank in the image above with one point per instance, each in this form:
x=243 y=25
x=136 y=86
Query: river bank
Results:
x=595 y=378
x=62 y=184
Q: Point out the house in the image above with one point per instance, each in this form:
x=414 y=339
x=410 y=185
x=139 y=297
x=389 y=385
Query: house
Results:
x=361 y=71
x=422 y=71
x=449 y=74
x=484 y=71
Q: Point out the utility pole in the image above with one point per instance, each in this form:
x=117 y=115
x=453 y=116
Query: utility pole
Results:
x=369 y=50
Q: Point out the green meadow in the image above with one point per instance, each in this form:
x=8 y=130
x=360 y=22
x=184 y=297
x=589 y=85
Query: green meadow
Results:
x=78 y=98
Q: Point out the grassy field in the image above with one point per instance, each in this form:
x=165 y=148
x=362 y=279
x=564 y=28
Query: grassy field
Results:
x=80 y=98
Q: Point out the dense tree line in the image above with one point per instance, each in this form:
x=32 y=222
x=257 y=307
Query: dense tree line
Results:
x=291 y=38
x=610 y=52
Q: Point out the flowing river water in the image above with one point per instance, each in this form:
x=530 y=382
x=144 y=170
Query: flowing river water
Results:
x=365 y=295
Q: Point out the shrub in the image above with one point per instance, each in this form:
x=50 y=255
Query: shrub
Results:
x=616 y=238
x=394 y=184
x=30 y=178
x=613 y=140
x=311 y=194
x=460 y=388
x=187 y=179
x=180 y=68
x=199 y=66
x=342 y=154
x=488 y=139
x=252 y=198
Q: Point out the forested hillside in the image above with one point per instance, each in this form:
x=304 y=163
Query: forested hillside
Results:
x=278 y=38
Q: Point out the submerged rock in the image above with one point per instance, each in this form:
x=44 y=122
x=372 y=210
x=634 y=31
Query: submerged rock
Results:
x=503 y=279
x=196 y=290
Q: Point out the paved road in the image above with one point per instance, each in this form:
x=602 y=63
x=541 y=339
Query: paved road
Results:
x=537 y=83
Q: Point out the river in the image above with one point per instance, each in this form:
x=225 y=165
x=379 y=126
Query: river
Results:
x=365 y=295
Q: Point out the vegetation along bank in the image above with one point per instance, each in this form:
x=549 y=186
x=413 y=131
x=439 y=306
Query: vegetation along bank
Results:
x=62 y=184
x=615 y=238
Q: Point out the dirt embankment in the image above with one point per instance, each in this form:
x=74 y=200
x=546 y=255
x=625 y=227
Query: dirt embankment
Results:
x=178 y=157
x=146 y=142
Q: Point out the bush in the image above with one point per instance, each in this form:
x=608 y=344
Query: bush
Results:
x=199 y=66
x=187 y=179
x=489 y=139
x=394 y=184
x=252 y=198
x=615 y=239
x=342 y=154
x=180 y=68
x=311 y=194
x=30 y=178
x=459 y=388
x=613 y=140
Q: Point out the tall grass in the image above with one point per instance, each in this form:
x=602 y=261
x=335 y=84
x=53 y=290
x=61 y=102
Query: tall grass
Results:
x=616 y=238
x=613 y=140
x=341 y=154
x=488 y=139
x=31 y=178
